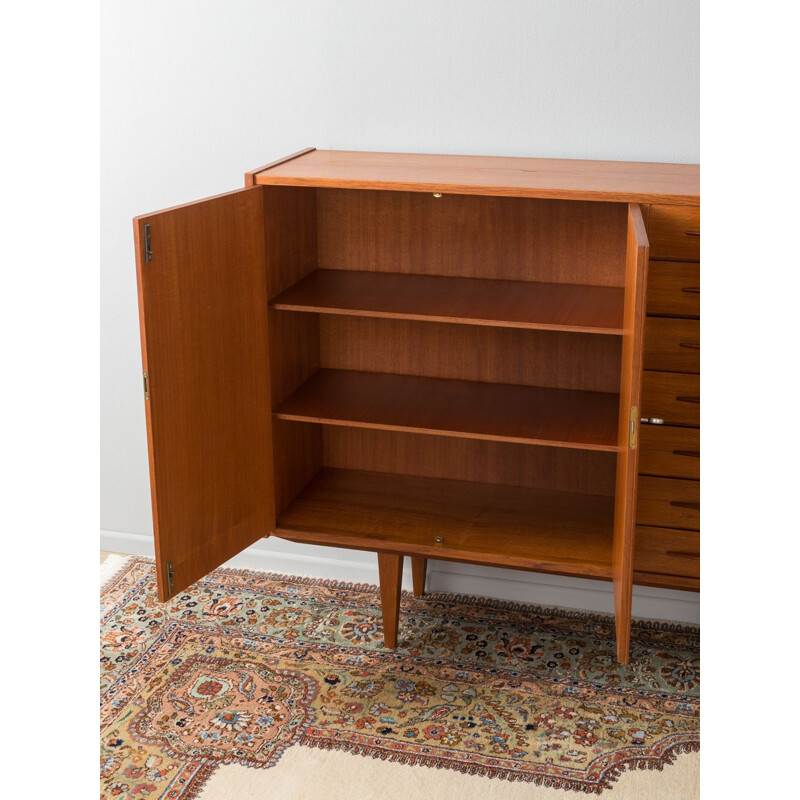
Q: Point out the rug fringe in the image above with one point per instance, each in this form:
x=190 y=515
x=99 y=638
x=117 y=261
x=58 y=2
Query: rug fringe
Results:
x=111 y=568
x=607 y=778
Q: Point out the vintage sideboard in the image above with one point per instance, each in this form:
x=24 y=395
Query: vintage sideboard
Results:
x=479 y=359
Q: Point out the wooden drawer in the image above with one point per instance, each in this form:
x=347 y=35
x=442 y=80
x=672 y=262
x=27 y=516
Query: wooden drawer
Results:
x=673 y=287
x=674 y=232
x=669 y=452
x=671 y=396
x=666 y=557
x=672 y=345
x=668 y=502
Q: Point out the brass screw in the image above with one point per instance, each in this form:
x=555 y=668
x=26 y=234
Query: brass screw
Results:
x=437 y=194
x=438 y=539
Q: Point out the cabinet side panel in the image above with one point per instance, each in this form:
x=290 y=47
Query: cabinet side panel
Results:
x=629 y=414
x=290 y=234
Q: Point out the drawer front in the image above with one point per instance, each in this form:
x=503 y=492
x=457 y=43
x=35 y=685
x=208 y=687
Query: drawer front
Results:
x=669 y=452
x=674 y=232
x=668 y=502
x=672 y=345
x=667 y=557
x=673 y=287
x=671 y=396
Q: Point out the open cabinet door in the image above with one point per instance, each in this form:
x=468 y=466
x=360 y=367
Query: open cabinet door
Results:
x=636 y=258
x=203 y=319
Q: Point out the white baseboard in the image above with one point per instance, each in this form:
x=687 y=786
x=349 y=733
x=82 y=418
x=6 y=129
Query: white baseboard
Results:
x=276 y=555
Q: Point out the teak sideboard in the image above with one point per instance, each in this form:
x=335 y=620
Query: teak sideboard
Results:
x=446 y=357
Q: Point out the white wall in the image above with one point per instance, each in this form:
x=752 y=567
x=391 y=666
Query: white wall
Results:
x=195 y=92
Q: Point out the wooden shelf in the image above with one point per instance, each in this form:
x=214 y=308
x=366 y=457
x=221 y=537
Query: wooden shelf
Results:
x=469 y=409
x=473 y=301
x=557 y=532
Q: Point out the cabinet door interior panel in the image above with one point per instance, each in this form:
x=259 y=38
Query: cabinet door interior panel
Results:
x=203 y=314
x=628 y=421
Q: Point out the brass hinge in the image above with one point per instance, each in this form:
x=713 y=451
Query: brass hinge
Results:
x=146 y=386
x=634 y=424
x=148 y=250
x=170 y=576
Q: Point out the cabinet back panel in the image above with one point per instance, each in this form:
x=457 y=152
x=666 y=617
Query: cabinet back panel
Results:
x=494 y=355
x=531 y=467
x=509 y=238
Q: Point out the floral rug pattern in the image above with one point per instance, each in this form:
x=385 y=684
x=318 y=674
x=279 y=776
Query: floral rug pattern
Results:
x=245 y=664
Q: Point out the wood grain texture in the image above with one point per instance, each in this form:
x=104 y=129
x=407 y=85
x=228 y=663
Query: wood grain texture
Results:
x=250 y=177
x=674 y=232
x=290 y=234
x=474 y=353
x=672 y=345
x=452 y=520
x=669 y=503
x=669 y=452
x=472 y=237
x=290 y=227
x=618 y=181
x=203 y=318
x=496 y=412
x=627 y=456
x=419 y=567
x=671 y=396
x=667 y=558
x=297 y=456
x=390 y=572
x=472 y=301
x=552 y=468
x=673 y=289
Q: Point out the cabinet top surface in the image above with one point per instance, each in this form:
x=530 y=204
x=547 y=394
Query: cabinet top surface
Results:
x=571 y=179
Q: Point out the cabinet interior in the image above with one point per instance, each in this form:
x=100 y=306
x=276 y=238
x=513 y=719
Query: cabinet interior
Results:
x=422 y=408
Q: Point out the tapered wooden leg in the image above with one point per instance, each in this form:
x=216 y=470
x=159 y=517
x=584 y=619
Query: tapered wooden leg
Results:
x=390 y=570
x=623 y=624
x=419 y=566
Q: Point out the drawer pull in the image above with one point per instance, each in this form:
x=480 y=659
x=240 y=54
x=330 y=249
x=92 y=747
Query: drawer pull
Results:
x=692 y=233
x=688 y=399
x=690 y=345
x=690 y=453
x=682 y=554
x=652 y=421
x=683 y=504
x=691 y=289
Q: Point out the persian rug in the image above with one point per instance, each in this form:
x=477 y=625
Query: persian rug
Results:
x=250 y=668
